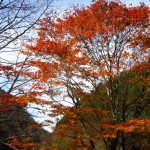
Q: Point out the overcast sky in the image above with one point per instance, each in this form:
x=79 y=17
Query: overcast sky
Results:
x=64 y=3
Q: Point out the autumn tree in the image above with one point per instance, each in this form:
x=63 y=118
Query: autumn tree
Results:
x=99 y=55
x=17 y=18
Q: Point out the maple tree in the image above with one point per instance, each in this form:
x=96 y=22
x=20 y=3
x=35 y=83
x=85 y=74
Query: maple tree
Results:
x=17 y=18
x=99 y=55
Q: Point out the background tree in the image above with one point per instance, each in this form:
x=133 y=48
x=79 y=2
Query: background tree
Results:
x=17 y=18
x=100 y=49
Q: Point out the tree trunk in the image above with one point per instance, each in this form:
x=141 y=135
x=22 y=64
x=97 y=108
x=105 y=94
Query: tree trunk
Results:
x=111 y=144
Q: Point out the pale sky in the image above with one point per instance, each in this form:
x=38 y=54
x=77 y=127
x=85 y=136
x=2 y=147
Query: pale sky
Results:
x=64 y=3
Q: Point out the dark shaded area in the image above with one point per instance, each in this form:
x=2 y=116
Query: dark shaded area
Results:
x=18 y=123
x=4 y=146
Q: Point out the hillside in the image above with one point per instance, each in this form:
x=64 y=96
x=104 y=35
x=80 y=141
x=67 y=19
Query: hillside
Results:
x=91 y=124
x=18 y=128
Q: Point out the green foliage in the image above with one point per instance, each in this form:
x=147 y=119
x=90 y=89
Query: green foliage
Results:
x=132 y=100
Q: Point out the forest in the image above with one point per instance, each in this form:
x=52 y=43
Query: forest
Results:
x=85 y=71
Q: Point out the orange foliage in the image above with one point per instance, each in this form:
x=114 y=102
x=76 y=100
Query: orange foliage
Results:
x=23 y=144
x=91 y=45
